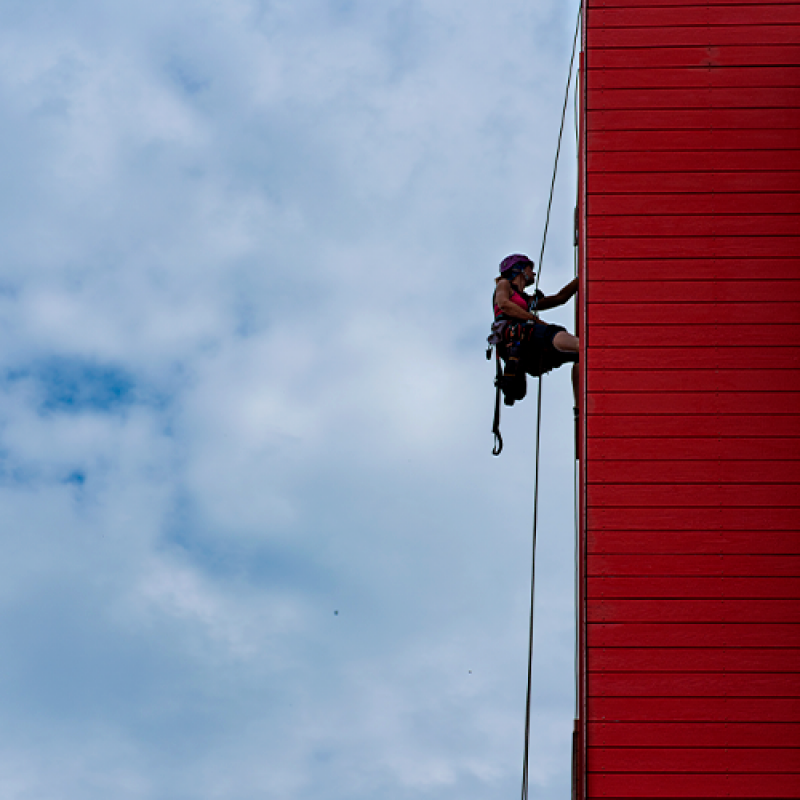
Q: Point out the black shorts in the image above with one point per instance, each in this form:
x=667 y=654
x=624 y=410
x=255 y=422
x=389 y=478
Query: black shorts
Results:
x=537 y=352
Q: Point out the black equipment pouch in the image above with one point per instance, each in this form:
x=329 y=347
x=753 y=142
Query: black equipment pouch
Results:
x=513 y=383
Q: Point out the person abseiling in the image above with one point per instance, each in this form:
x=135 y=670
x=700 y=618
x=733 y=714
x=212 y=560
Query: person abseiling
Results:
x=523 y=341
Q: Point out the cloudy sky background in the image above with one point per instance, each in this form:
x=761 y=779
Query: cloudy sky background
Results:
x=254 y=541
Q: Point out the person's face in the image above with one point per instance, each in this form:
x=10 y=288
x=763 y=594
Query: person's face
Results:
x=530 y=275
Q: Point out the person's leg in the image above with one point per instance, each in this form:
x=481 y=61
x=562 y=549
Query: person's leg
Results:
x=566 y=342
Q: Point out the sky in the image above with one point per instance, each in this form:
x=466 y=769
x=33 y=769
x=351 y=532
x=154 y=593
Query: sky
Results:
x=255 y=544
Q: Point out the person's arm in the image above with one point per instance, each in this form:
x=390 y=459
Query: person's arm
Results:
x=559 y=298
x=502 y=299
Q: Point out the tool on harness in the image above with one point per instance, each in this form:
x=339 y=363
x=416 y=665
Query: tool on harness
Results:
x=498 y=439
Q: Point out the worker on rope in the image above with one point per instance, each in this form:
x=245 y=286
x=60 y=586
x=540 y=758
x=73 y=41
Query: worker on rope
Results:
x=523 y=341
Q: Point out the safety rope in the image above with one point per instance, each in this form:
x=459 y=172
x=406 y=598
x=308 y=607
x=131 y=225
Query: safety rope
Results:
x=538 y=431
x=558 y=147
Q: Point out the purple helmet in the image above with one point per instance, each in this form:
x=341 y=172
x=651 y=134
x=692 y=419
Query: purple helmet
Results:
x=515 y=263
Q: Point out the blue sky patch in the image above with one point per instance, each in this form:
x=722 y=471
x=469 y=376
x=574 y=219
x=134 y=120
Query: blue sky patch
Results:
x=73 y=385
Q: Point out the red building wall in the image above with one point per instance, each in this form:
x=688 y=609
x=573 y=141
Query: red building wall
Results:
x=690 y=440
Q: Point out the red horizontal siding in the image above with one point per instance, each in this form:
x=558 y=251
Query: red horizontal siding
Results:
x=726 y=273
x=693 y=402
x=725 y=97
x=680 y=518
x=698 y=634
x=646 y=58
x=698 y=735
x=695 y=426
x=696 y=609
x=716 y=588
x=675 y=785
x=683 y=205
x=701 y=357
x=697 y=312
x=691 y=139
x=696 y=447
x=708 y=118
x=672 y=289
x=627 y=337
x=709 y=760
x=709 y=542
x=691 y=459
x=722 y=380
x=696 y=685
x=700 y=247
x=701 y=709
x=693 y=161
x=693 y=78
x=702 y=473
x=699 y=14
x=628 y=225
x=692 y=183
x=681 y=564
x=696 y=659
x=675 y=36
x=633 y=4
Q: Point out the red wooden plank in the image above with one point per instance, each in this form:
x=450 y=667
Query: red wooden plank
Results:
x=699 y=357
x=653 y=634
x=635 y=290
x=693 y=684
x=696 y=609
x=710 y=224
x=717 y=588
x=690 y=495
x=692 y=78
x=690 y=182
x=727 y=97
x=694 y=543
x=695 y=472
x=613 y=427
x=750 y=566
x=690 y=759
x=646 y=56
x=711 y=709
x=694 y=161
x=719 y=36
x=658 y=16
x=702 y=204
x=706 y=79
x=697 y=247
x=693 y=313
x=675 y=785
x=693 y=734
x=755 y=403
x=693 y=659
x=692 y=139
x=696 y=519
x=706 y=118
x=723 y=271
x=614 y=337
x=690 y=448
x=722 y=380
x=754 y=4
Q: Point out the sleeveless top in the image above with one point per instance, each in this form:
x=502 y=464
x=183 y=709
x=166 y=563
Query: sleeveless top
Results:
x=524 y=301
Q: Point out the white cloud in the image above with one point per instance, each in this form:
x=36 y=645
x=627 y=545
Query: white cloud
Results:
x=248 y=252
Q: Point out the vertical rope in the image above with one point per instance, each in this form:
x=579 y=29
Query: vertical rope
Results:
x=526 y=756
x=533 y=583
x=558 y=147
